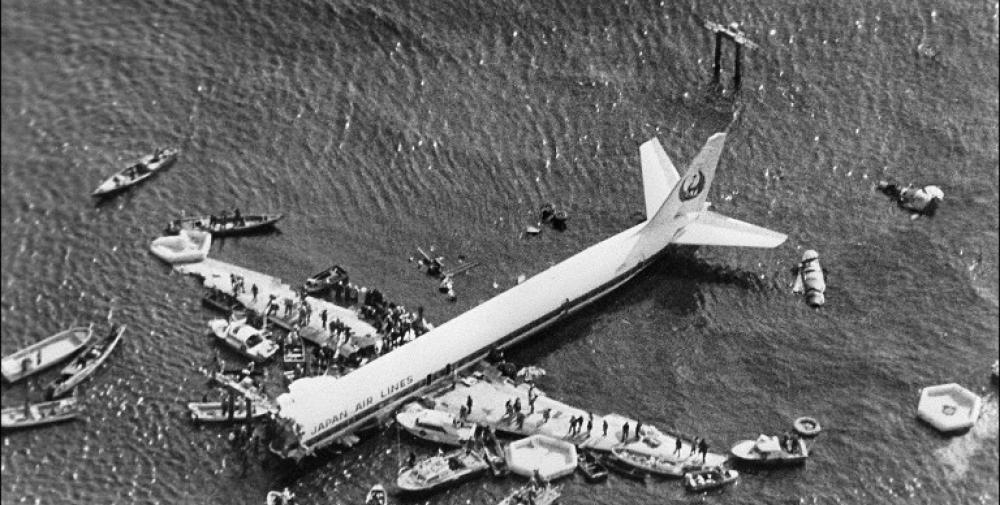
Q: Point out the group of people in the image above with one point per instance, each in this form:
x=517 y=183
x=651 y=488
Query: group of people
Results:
x=789 y=442
x=698 y=445
x=225 y=219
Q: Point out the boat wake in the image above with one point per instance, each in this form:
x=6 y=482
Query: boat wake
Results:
x=957 y=454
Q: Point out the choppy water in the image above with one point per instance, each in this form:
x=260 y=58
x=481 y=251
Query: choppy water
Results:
x=378 y=128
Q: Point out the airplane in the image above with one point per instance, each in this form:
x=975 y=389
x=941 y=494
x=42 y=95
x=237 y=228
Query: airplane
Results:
x=318 y=412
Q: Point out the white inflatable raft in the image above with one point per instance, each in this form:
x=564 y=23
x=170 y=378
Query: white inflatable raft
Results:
x=949 y=407
x=550 y=457
x=188 y=246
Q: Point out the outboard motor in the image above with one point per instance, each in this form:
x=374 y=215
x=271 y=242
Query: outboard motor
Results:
x=810 y=279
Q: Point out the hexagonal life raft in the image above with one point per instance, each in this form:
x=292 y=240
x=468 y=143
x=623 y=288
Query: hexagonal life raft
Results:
x=550 y=457
x=949 y=407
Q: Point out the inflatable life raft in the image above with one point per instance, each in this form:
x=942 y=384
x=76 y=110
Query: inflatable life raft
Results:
x=188 y=246
x=949 y=407
x=809 y=279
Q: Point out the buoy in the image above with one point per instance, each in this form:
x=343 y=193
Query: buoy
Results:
x=810 y=279
x=807 y=426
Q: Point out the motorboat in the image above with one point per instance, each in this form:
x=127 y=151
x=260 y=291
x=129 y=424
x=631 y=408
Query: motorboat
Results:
x=43 y=354
x=542 y=456
x=768 y=451
x=222 y=301
x=709 y=478
x=325 y=280
x=37 y=414
x=215 y=412
x=434 y=425
x=188 y=246
x=85 y=363
x=438 y=472
x=949 y=408
x=377 y=496
x=591 y=467
x=533 y=495
x=624 y=469
x=249 y=341
x=225 y=224
x=137 y=172
x=654 y=465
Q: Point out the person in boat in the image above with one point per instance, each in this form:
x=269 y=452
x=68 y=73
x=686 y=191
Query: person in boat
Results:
x=921 y=201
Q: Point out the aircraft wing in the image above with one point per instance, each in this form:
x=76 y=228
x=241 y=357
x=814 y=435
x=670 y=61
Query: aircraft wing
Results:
x=710 y=228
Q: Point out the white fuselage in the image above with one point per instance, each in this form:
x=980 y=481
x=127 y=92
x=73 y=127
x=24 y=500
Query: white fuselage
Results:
x=327 y=408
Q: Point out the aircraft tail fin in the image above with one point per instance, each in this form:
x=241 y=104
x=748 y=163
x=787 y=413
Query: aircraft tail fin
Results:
x=683 y=215
x=658 y=175
x=691 y=191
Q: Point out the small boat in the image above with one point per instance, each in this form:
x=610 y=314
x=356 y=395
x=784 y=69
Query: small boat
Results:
x=591 y=467
x=768 y=451
x=377 y=496
x=624 y=469
x=138 y=172
x=542 y=456
x=439 y=472
x=434 y=425
x=85 y=363
x=243 y=387
x=37 y=414
x=709 y=478
x=533 y=495
x=215 y=412
x=246 y=339
x=222 y=301
x=41 y=355
x=284 y=497
x=325 y=279
x=224 y=225
x=654 y=464
x=188 y=246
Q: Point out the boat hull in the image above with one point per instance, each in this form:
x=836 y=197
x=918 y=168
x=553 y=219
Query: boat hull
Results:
x=79 y=370
x=410 y=482
x=45 y=353
x=744 y=454
x=109 y=187
x=211 y=412
x=254 y=223
x=39 y=414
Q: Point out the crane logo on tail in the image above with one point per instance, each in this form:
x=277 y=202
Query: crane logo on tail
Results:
x=692 y=186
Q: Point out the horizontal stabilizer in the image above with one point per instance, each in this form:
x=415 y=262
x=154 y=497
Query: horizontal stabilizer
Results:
x=710 y=228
